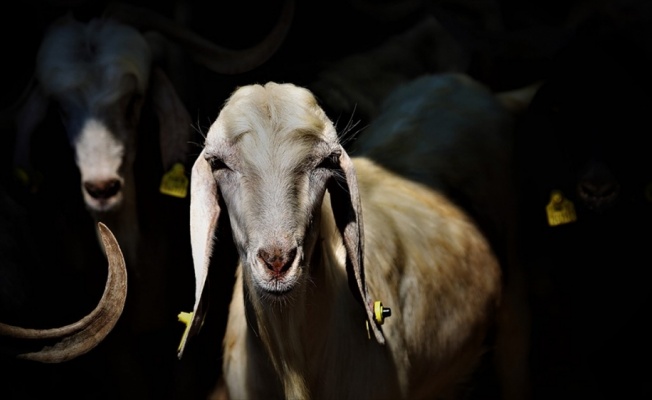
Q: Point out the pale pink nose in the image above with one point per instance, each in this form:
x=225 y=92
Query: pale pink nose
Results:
x=277 y=260
x=103 y=189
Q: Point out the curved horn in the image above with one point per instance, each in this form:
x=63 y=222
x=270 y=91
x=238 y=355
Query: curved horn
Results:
x=216 y=58
x=70 y=341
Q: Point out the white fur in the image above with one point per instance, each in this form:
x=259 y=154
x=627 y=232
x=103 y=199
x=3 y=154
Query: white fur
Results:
x=345 y=230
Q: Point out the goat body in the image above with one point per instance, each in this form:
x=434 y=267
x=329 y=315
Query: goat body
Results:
x=357 y=84
x=454 y=135
x=301 y=321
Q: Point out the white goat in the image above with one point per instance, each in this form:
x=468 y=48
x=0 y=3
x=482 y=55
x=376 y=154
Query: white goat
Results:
x=296 y=204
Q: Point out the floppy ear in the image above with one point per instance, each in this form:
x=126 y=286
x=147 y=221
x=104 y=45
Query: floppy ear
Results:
x=174 y=131
x=30 y=114
x=347 y=209
x=204 y=213
x=173 y=117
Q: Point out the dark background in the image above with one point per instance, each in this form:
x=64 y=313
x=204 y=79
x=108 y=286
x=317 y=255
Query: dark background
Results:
x=510 y=44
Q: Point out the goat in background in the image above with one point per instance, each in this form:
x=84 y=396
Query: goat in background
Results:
x=354 y=87
x=126 y=126
x=585 y=181
x=328 y=246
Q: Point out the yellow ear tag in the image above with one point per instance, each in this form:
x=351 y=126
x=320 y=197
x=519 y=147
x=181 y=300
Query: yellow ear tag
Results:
x=186 y=318
x=22 y=176
x=175 y=182
x=380 y=312
x=560 y=210
x=31 y=180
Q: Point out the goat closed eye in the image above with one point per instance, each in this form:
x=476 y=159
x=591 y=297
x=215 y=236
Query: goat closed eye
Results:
x=217 y=164
x=332 y=161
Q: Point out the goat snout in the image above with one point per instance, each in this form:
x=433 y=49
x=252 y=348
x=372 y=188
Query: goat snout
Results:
x=598 y=187
x=277 y=260
x=104 y=189
x=103 y=194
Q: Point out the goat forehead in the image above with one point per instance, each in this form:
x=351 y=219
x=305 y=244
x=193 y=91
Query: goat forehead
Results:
x=273 y=129
x=99 y=154
x=274 y=113
x=93 y=58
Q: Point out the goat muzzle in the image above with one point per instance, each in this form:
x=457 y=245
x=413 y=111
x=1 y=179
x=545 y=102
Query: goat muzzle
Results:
x=277 y=260
x=104 y=189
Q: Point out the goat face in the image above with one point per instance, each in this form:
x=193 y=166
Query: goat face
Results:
x=586 y=122
x=268 y=159
x=272 y=168
x=97 y=74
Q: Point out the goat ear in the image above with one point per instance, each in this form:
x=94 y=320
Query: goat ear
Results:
x=29 y=114
x=347 y=209
x=204 y=213
x=173 y=118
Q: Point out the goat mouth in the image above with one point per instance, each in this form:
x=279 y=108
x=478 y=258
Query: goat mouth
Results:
x=276 y=291
x=102 y=205
x=599 y=203
x=279 y=285
x=276 y=287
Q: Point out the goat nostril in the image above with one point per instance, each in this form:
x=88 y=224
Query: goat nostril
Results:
x=599 y=190
x=277 y=260
x=103 y=189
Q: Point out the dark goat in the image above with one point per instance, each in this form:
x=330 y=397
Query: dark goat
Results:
x=585 y=174
x=104 y=118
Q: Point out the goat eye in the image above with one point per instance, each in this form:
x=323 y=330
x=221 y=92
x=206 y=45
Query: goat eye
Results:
x=330 y=162
x=217 y=164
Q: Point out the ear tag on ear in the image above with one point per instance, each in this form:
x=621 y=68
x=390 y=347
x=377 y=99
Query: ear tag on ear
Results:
x=31 y=180
x=380 y=312
x=175 y=182
x=560 y=210
x=187 y=319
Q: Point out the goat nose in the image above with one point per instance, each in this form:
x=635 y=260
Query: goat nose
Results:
x=599 y=190
x=103 y=189
x=599 y=196
x=277 y=260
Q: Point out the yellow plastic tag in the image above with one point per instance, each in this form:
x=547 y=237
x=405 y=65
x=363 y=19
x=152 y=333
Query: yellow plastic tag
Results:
x=31 y=180
x=185 y=318
x=22 y=176
x=175 y=182
x=560 y=210
x=381 y=312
